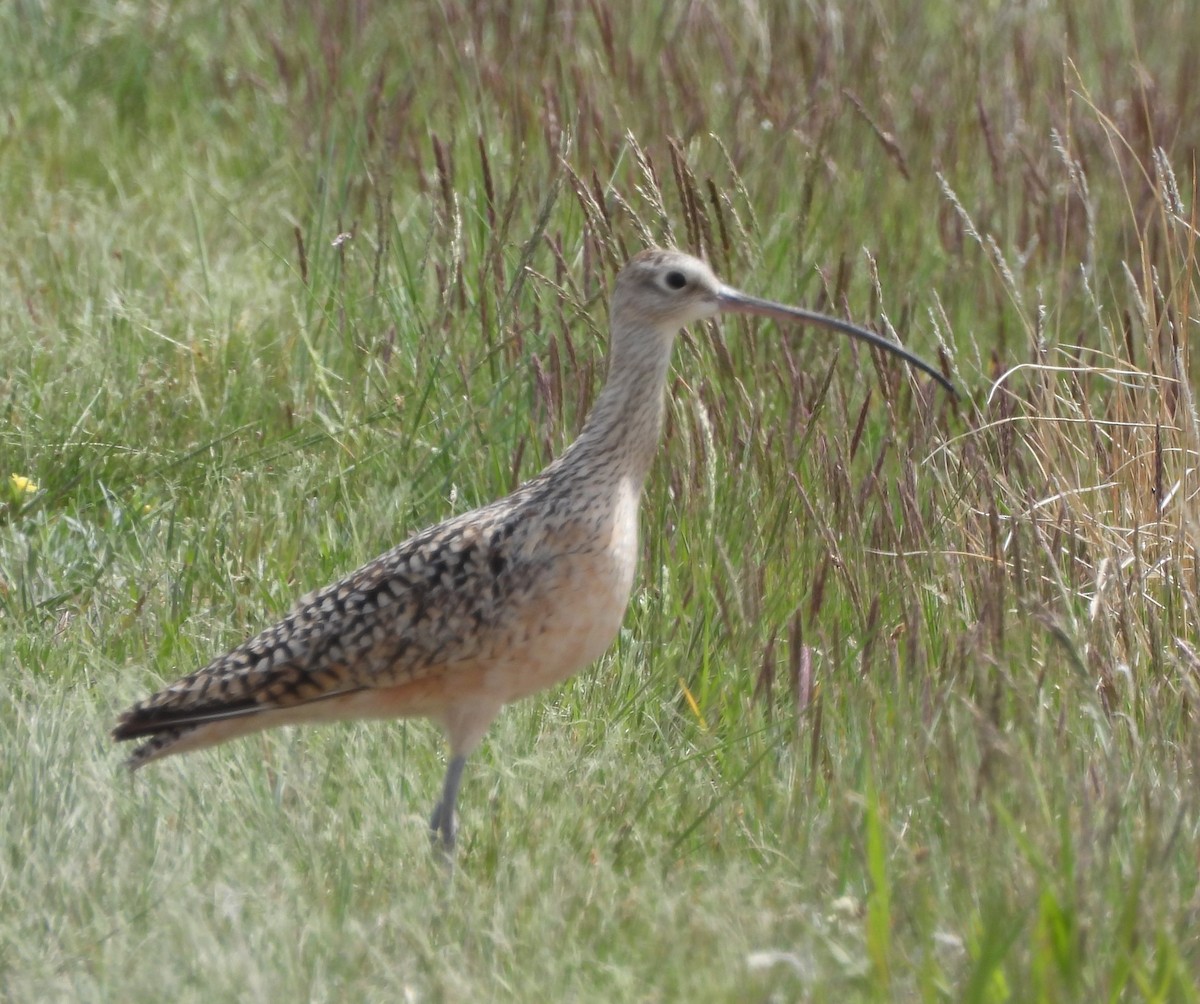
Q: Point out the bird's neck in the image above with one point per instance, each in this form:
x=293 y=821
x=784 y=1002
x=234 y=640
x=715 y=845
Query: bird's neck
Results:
x=621 y=433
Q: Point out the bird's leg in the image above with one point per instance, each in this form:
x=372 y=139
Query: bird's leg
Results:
x=442 y=824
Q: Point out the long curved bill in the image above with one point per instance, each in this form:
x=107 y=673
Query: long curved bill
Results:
x=734 y=301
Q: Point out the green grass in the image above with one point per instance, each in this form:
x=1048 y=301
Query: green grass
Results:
x=905 y=704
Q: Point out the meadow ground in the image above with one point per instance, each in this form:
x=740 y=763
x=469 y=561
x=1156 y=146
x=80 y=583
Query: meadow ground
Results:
x=905 y=705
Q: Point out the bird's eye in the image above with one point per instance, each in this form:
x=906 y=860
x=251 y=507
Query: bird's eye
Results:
x=675 y=280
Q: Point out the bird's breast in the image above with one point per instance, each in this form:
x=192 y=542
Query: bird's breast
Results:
x=575 y=602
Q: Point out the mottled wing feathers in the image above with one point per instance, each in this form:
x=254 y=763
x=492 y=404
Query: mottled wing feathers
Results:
x=415 y=610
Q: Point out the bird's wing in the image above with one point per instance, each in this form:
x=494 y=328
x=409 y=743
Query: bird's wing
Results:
x=426 y=604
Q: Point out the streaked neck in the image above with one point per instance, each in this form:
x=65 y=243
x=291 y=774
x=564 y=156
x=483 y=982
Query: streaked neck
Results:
x=622 y=431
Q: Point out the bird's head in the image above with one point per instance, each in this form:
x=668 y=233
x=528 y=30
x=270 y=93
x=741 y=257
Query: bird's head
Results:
x=660 y=291
x=665 y=289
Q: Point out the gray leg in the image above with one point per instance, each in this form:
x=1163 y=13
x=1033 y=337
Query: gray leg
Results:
x=442 y=825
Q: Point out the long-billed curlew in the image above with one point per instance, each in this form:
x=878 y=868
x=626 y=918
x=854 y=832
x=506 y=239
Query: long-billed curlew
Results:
x=491 y=605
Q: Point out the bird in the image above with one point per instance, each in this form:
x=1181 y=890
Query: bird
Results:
x=489 y=606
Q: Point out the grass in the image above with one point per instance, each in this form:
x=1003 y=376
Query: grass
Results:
x=904 y=707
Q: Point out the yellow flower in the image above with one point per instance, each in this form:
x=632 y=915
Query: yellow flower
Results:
x=22 y=484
